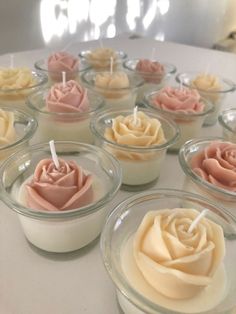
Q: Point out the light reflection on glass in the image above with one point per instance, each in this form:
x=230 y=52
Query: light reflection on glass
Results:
x=92 y=19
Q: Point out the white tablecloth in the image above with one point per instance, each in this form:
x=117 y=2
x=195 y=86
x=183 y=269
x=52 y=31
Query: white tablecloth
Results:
x=34 y=282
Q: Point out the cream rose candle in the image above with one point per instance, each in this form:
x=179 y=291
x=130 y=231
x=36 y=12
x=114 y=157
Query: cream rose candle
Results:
x=17 y=83
x=61 y=206
x=170 y=259
x=118 y=88
x=184 y=106
x=68 y=107
x=210 y=170
x=154 y=73
x=138 y=140
x=99 y=58
x=211 y=87
x=16 y=129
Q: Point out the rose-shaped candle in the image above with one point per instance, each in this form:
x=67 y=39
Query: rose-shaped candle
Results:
x=138 y=140
x=210 y=168
x=184 y=106
x=62 y=61
x=118 y=88
x=69 y=107
x=211 y=87
x=7 y=130
x=63 y=188
x=17 y=83
x=154 y=73
x=169 y=256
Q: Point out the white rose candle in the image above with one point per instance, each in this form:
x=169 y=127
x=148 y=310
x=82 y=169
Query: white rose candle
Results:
x=138 y=140
x=64 y=112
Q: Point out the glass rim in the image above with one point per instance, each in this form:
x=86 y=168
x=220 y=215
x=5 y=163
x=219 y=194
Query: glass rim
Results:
x=119 y=279
x=172 y=67
x=42 y=80
x=208 y=108
x=222 y=120
x=231 y=85
x=57 y=215
x=41 y=65
x=193 y=176
x=92 y=73
x=119 y=53
x=132 y=148
x=30 y=104
x=31 y=121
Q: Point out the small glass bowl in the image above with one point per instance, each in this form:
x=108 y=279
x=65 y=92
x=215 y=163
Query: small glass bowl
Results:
x=25 y=126
x=194 y=183
x=189 y=123
x=115 y=97
x=153 y=81
x=227 y=120
x=63 y=126
x=56 y=76
x=103 y=64
x=217 y=98
x=17 y=97
x=69 y=230
x=131 y=287
x=141 y=166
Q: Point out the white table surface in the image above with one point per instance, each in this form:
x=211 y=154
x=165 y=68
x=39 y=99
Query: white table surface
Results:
x=34 y=282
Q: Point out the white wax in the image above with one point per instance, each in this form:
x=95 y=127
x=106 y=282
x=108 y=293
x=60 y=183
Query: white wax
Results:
x=63 y=235
x=48 y=129
x=138 y=172
x=125 y=102
x=206 y=300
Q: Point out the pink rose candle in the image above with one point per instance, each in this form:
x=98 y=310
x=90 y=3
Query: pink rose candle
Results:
x=154 y=73
x=61 y=207
x=184 y=106
x=210 y=168
x=69 y=108
x=59 y=62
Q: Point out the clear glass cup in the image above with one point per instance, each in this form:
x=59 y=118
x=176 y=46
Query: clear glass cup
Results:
x=217 y=97
x=227 y=120
x=189 y=123
x=17 y=97
x=194 y=183
x=63 y=126
x=103 y=64
x=115 y=97
x=68 y=230
x=141 y=165
x=152 y=81
x=134 y=294
x=25 y=126
x=56 y=76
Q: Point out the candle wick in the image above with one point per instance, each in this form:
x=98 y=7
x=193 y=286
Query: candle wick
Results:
x=54 y=154
x=64 y=78
x=111 y=65
x=197 y=219
x=135 y=120
x=11 y=61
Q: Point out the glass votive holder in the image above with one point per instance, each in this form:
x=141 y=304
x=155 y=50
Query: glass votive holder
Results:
x=141 y=163
x=227 y=120
x=189 y=122
x=152 y=80
x=100 y=59
x=214 y=94
x=208 y=164
x=115 y=96
x=24 y=128
x=60 y=230
x=56 y=76
x=119 y=246
x=63 y=126
x=16 y=97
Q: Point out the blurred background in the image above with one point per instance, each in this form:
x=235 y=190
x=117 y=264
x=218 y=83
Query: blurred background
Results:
x=31 y=24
